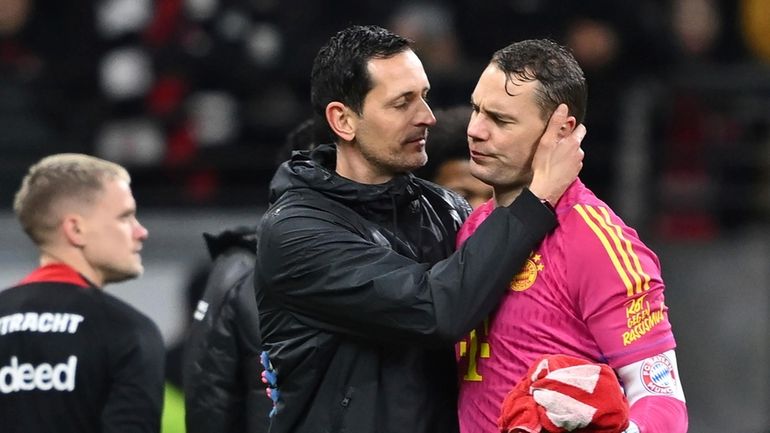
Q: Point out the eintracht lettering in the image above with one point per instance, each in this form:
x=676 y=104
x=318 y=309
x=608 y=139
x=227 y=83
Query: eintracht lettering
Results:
x=40 y=322
x=45 y=377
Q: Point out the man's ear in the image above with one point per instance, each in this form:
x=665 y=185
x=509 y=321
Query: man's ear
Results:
x=342 y=120
x=571 y=123
x=567 y=127
x=73 y=229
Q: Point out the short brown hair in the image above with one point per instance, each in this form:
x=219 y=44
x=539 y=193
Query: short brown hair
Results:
x=59 y=177
x=554 y=67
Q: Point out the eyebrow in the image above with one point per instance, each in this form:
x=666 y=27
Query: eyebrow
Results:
x=494 y=113
x=128 y=212
x=409 y=93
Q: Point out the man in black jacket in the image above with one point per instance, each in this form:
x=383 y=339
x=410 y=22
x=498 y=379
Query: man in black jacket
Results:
x=223 y=392
x=222 y=389
x=74 y=359
x=360 y=295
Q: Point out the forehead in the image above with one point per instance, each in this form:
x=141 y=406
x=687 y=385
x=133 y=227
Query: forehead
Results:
x=397 y=75
x=116 y=193
x=497 y=90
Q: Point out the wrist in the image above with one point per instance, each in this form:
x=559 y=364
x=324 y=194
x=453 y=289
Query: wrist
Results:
x=548 y=204
x=543 y=194
x=547 y=200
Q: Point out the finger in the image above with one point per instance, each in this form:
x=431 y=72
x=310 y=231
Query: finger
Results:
x=580 y=133
x=556 y=122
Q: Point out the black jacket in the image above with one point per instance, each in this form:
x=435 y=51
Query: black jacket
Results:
x=222 y=388
x=359 y=305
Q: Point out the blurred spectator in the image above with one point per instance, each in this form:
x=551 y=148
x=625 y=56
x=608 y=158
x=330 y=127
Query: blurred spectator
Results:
x=305 y=136
x=614 y=43
x=45 y=85
x=755 y=27
x=596 y=45
x=223 y=392
x=173 y=420
x=221 y=362
x=448 y=156
x=700 y=158
x=431 y=25
x=487 y=26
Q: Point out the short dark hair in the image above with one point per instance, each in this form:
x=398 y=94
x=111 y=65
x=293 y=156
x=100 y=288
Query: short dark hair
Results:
x=553 y=65
x=305 y=136
x=447 y=139
x=340 y=70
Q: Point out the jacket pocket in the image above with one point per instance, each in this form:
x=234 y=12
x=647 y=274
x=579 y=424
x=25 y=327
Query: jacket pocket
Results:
x=342 y=412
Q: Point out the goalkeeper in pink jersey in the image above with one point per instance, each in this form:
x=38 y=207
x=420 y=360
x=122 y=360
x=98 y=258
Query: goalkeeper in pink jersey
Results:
x=591 y=290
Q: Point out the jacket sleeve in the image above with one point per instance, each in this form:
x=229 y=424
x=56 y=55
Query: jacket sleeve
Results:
x=257 y=405
x=331 y=278
x=135 y=399
x=218 y=345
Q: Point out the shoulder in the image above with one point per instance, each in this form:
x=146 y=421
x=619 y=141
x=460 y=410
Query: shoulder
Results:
x=474 y=220
x=580 y=209
x=299 y=204
x=124 y=316
x=440 y=197
x=229 y=276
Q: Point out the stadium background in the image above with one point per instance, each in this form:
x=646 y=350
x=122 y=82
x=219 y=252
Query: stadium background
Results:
x=195 y=97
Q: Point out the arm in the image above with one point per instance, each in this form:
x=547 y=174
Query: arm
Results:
x=257 y=406
x=323 y=271
x=135 y=397
x=621 y=298
x=655 y=394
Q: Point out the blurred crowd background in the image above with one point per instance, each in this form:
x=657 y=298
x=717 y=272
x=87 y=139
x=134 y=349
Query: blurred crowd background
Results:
x=196 y=97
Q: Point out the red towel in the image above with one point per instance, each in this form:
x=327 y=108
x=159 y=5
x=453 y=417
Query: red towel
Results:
x=564 y=394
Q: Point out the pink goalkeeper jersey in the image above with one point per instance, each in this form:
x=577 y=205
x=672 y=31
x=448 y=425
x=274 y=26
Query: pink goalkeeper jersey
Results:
x=591 y=290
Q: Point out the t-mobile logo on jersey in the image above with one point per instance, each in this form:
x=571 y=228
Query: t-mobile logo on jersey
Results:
x=26 y=377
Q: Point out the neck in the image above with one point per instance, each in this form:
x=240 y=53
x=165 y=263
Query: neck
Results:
x=352 y=165
x=73 y=259
x=504 y=196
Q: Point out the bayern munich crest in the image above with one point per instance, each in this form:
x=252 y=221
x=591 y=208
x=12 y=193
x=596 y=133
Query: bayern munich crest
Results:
x=526 y=278
x=658 y=375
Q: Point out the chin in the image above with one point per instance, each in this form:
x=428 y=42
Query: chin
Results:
x=418 y=162
x=483 y=176
x=124 y=274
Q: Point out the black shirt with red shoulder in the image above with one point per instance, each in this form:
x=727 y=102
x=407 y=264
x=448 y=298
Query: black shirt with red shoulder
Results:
x=76 y=359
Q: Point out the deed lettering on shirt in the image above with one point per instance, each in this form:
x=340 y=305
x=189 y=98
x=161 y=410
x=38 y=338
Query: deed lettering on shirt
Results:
x=23 y=376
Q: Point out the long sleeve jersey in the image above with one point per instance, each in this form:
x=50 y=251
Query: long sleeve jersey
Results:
x=74 y=359
x=592 y=290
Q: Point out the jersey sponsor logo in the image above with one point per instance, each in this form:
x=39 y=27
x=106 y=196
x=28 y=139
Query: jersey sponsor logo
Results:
x=40 y=322
x=528 y=274
x=658 y=375
x=619 y=248
x=476 y=347
x=641 y=318
x=17 y=377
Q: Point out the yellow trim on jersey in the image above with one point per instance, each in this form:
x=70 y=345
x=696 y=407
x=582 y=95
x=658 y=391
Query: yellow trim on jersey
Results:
x=615 y=243
x=637 y=264
x=617 y=237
